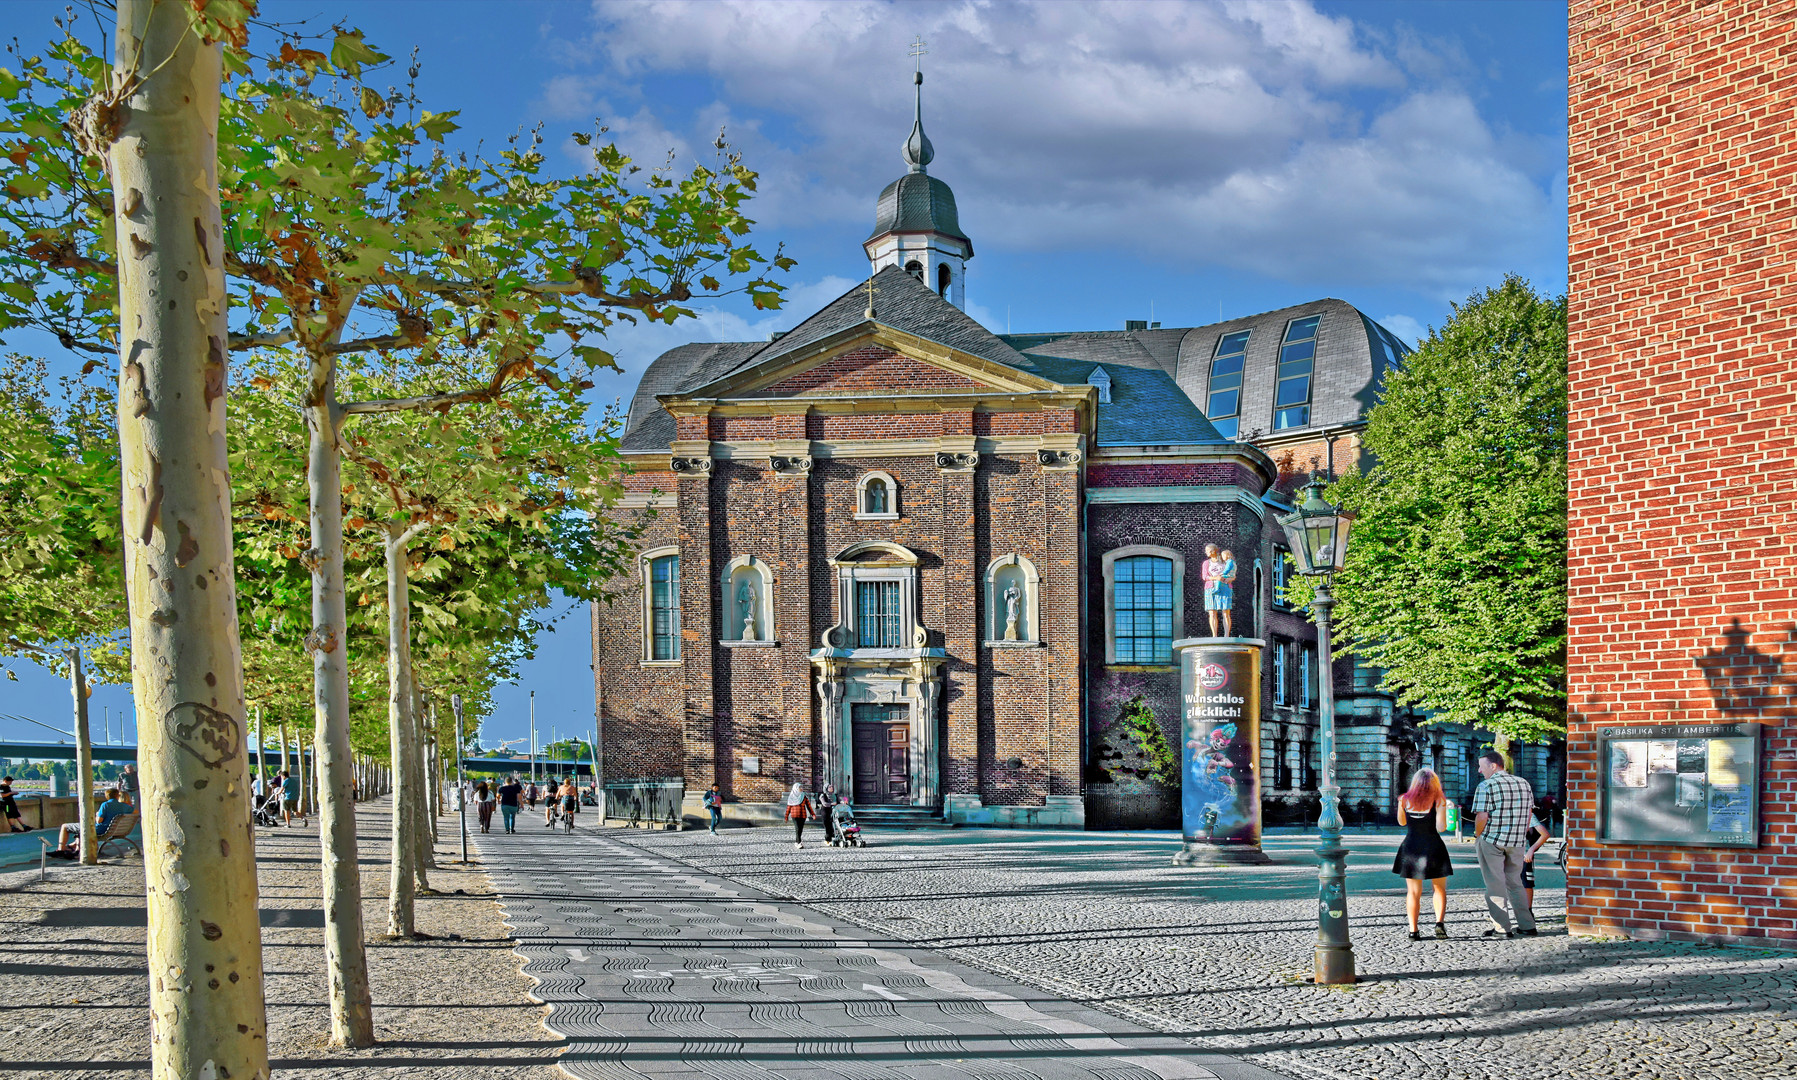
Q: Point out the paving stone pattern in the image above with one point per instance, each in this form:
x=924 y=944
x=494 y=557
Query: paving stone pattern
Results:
x=1221 y=957
x=655 y=969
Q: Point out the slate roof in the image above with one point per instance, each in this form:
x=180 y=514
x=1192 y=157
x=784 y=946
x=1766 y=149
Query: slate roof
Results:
x=1159 y=377
x=917 y=203
x=648 y=426
x=1147 y=408
x=903 y=303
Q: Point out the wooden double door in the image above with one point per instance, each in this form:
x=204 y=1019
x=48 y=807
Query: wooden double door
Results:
x=882 y=755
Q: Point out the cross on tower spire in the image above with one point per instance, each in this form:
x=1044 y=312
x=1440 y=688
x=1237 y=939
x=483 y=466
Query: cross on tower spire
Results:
x=918 y=151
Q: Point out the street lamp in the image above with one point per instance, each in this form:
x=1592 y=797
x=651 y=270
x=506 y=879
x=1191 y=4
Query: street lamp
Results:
x=1318 y=534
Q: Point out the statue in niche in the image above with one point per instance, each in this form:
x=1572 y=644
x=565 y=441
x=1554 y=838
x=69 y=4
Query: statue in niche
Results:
x=745 y=603
x=1013 y=599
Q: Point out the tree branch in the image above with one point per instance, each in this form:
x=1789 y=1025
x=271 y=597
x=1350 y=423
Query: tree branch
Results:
x=434 y=401
x=257 y=341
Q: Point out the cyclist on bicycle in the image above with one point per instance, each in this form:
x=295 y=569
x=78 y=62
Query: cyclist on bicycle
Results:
x=570 y=803
x=552 y=805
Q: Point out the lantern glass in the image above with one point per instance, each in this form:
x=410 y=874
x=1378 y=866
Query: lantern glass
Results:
x=1317 y=533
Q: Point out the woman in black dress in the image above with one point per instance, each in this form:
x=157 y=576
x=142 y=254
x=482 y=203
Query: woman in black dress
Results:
x=1422 y=856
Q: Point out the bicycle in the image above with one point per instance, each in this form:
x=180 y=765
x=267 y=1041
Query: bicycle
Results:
x=568 y=820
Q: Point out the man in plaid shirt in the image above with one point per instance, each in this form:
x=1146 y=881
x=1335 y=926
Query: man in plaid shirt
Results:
x=1501 y=808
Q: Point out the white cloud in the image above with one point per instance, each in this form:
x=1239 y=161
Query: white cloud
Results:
x=1265 y=137
x=1405 y=327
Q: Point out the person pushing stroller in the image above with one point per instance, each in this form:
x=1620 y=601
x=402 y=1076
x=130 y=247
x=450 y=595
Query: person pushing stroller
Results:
x=847 y=831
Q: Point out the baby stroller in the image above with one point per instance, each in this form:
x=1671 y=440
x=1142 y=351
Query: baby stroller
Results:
x=268 y=813
x=848 y=830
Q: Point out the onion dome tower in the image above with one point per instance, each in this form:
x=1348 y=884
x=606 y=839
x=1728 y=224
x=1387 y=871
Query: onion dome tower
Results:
x=916 y=226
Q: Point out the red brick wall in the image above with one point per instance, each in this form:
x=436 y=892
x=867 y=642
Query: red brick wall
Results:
x=872 y=368
x=901 y=426
x=1682 y=237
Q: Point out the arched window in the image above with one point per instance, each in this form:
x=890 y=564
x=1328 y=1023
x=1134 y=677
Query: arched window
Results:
x=915 y=269
x=1144 y=590
x=943 y=279
x=661 y=605
x=876 y=497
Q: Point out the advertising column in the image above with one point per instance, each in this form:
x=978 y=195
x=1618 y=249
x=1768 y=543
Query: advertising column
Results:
x=1219 y=686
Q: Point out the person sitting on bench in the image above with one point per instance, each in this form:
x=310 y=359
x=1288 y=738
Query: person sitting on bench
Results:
x=69 y=834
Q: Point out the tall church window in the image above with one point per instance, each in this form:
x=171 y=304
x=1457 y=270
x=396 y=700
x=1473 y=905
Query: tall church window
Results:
x=1142 y=608
x=878 y=617
x=944 y=277
x=1144 y=600
x=876 y=497
x=1297 y=360
x=662 y=605
x=1225 y=405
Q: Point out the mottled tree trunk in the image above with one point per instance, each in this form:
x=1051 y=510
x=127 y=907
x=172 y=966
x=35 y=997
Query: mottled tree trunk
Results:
x=352 y=1015
x=424 y=857
x=204 y=940
x=286 y=764
x=84 y=761
x=261 y=752
x=305 y=778
x=400 y=733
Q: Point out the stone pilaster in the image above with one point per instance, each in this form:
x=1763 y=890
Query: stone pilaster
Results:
x=691 y=462
x=959 y=752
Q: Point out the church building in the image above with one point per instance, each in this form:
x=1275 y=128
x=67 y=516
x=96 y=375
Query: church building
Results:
x=895 y=552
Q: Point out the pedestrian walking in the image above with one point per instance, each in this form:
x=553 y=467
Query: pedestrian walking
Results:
x=797 y=810
x=128 y=785
x=714 y=805
x=1501 y=810
x=483 y=805
x=826 y=803
x=530 y=794
x=9 y=808
x=290 y=799
x=509 y=794
x=1423 y=856
x=1539 y=834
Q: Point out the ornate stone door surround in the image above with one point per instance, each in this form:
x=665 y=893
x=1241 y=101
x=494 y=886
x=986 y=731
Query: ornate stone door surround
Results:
x=847 y=673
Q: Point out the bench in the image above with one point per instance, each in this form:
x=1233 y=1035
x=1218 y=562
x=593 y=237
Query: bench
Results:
x=120 y=833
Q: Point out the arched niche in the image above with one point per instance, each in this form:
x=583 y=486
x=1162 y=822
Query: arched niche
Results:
x=747 y=600
x=1012 y=583
x=877 y=497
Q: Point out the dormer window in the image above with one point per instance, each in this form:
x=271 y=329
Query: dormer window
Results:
x=1297 y=358
x=876 y=498
x=1101 y=379
x=1225 y=404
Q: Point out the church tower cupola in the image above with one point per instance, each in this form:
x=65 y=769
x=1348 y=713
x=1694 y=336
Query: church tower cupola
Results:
x=916 y=226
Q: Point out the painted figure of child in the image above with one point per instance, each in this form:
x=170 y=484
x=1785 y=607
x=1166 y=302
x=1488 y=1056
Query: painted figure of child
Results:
x=1219 y=589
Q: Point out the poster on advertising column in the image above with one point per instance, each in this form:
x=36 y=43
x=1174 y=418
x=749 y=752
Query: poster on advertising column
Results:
x=1220 y=782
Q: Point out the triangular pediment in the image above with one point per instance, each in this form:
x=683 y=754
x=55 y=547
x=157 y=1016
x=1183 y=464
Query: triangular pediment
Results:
x=872 y=359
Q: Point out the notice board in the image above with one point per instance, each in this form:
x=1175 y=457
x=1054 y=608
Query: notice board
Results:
x=1691 y=784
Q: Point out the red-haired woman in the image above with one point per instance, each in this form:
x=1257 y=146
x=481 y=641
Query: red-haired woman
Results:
x=1422 y=856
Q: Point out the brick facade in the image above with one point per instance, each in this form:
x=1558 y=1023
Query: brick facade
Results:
x=1682 y=238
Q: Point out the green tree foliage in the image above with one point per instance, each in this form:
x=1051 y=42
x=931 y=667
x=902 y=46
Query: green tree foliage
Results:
x=1455 y=583
x=1139 y=723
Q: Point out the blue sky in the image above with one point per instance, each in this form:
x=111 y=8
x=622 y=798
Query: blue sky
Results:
x=1111 y=161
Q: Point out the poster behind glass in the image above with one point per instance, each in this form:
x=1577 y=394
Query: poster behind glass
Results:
x=1693 y=784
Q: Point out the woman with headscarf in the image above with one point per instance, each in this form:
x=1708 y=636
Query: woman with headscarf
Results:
x=797 y=810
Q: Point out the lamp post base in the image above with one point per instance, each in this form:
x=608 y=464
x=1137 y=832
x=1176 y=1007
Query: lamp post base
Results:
x=1334 y=965
x=1199 y=853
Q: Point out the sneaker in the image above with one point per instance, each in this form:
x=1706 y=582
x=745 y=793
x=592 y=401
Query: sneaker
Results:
x=798 y=843
x=1415 y=936
x=1498 y=934
x=1531 y=932
x=1441 y=930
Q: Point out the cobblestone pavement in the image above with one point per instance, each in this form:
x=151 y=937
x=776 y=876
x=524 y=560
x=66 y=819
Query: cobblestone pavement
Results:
x=1221 y=957
x=655 y=969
